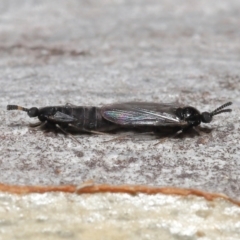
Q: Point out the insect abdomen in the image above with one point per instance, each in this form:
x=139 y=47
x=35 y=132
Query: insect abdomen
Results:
x=90 y=118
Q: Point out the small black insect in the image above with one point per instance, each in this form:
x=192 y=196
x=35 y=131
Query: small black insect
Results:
x=158 y=115
x=69 y=117
x=138 y=115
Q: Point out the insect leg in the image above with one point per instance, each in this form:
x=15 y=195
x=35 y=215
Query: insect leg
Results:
x=120 y=138
x=169 y=136
x=85 y=130
x=164 y=139
x=65 y=132
x=38 y=124
x=197 y=131
x=194 y=129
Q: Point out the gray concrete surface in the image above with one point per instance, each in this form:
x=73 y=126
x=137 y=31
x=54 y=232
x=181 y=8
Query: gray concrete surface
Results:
x=99 y=52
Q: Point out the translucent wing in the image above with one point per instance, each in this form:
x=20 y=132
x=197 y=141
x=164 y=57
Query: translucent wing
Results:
x=143 y=114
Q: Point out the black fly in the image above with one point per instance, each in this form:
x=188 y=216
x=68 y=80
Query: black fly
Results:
x=137 y=114
x=130 y=115
x=69 y=118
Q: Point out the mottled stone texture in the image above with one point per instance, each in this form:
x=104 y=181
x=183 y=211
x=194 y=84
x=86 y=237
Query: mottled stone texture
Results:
x=99 y=52
x=116 y=216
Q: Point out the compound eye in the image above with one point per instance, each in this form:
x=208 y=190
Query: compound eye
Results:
x=206 y=117
x=33 y=112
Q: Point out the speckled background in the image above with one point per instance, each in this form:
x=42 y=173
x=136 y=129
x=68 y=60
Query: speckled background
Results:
x=99 y=52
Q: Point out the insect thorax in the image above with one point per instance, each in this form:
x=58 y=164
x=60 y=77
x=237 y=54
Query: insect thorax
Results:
x=46 y=112
x=189 y=114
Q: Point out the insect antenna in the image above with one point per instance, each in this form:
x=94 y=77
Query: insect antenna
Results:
x=32 y=112
x=221 y=110
x=16 y=107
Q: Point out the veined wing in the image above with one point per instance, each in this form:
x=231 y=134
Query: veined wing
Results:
x=143 y=114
